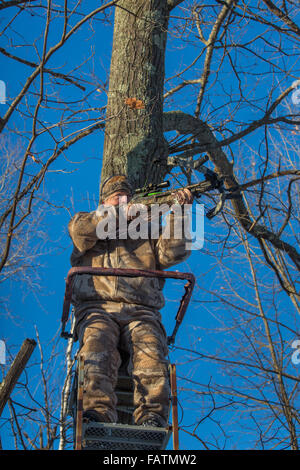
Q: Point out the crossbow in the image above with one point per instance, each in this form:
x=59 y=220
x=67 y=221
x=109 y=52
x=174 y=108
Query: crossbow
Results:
x=156 y=193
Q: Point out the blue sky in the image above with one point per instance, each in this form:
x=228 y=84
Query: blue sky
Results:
x=73 y=182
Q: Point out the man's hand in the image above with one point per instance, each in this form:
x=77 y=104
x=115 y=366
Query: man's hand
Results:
x=183 y=196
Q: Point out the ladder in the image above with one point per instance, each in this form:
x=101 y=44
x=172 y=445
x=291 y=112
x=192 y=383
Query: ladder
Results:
x=121 y=435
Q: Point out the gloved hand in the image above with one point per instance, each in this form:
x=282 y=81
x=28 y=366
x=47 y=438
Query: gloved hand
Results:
x=183 y=196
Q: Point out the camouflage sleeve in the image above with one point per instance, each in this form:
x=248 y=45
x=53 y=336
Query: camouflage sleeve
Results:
x=172 y=246
x=82 y=230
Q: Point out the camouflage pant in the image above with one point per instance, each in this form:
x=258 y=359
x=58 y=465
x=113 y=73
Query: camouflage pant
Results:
x=137 y=330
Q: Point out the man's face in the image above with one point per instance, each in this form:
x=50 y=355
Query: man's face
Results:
x=117 y=198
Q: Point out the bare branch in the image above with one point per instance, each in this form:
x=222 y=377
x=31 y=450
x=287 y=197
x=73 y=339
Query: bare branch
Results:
x=283 y=16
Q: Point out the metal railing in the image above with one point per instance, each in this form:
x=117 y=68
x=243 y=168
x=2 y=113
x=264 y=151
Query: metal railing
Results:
x=189 y=277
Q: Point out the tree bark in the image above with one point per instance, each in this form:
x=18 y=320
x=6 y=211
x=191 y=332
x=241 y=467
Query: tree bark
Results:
x=134 y=142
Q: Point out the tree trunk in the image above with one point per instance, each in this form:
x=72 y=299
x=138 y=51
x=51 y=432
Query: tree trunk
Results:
x=134 y=142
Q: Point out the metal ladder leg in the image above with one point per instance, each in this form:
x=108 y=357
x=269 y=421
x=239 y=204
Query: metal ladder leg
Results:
x=79 y=412
x=174 y=406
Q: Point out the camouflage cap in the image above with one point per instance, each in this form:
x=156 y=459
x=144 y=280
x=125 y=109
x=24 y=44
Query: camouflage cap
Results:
x=114 y=184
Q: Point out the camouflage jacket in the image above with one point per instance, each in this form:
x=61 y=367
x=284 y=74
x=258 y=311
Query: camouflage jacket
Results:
x=160 y=253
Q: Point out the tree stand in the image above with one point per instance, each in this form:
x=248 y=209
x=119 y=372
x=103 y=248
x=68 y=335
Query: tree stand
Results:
x=123 y=435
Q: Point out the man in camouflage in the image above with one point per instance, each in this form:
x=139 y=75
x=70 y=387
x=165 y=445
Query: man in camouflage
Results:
x=114 y=313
